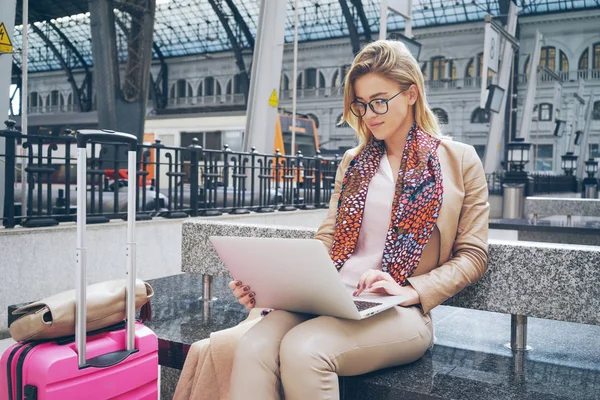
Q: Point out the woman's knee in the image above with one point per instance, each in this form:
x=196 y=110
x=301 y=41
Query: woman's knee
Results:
x=261 y=343
x=308 y=345
x=255 y=347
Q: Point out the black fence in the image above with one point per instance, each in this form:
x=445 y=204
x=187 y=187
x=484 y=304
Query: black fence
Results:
x=172 y=182
x=539 y=182
x=544 y=183
x=494 y=182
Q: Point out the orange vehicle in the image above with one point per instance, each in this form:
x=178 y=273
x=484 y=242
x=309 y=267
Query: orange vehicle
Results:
x=307 y=140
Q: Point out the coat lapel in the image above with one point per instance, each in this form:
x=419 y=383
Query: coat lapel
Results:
x=448 y=217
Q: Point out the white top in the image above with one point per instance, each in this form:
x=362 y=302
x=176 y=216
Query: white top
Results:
x=375 y=224
x=368 y=253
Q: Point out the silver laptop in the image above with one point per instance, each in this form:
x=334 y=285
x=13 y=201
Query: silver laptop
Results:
x=296 y=275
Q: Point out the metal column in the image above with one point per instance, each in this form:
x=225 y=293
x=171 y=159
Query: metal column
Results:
x=106 y=68
x=531 y=88
x=583 y=151
x=122 y=109
x=266 y=77
x=494 y=143
x=8 y=18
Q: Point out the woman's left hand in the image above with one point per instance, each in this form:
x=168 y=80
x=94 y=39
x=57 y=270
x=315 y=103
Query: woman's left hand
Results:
x=373 y=281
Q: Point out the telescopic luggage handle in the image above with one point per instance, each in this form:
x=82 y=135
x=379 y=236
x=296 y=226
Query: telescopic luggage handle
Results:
x=105 y=135
x=83 y=137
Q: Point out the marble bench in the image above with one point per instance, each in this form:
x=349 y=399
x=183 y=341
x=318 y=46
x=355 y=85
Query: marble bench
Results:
x=541 y=280
x=561 y=206
x=524 y=279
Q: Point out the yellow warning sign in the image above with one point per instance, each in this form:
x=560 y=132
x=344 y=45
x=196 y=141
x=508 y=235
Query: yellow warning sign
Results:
x=273 y=100
x=5 y=43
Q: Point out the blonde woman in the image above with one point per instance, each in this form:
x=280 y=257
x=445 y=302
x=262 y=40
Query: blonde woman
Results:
x=409 y=216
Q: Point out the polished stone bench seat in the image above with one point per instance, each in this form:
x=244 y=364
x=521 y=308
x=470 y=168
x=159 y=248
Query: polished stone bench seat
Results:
x=540 y=206
x=551 y=230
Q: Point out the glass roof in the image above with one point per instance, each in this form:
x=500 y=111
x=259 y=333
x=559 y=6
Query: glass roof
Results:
x=190 y=27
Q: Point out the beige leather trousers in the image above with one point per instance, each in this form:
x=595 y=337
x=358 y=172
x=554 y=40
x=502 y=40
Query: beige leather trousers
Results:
x=306 y=354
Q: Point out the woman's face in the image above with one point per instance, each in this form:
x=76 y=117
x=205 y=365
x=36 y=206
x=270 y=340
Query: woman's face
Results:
x=384 y=126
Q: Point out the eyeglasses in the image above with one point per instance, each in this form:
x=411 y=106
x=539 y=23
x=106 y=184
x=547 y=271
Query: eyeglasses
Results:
x=378 y=106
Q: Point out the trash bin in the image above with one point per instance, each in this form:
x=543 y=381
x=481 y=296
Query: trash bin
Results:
x=591 y=191
x=513 y=200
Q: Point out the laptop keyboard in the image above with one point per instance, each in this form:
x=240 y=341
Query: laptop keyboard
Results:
x=365 y=305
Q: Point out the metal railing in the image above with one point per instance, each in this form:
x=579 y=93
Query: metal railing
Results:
x=173 y=182
x=494 y=182
x=544 y=183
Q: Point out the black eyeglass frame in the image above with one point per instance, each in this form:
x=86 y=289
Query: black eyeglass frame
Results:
x=387 y=107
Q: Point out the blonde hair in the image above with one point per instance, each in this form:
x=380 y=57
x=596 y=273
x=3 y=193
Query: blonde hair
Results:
x=392 y=60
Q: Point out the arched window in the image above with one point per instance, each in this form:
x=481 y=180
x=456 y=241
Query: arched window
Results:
x=238 y=83
x=299 y=81
x=285 y=83
x=438 y=68
x=181 y=89
x=480 y=116
x=583 y=60
x=545 y=112
x=475 y=67
x=596 y=59
x=337 y=122
x=548 y=57
x=55 y=100
x=209 y=86
x=564 y=62
x=424 y=69
x=35 y=100
x=339 y=75
x=314 y=118
x=441 y=115
x=596 y=112
x=469 y=73
x=200 y=91
x=321 y=80
x=71 y=102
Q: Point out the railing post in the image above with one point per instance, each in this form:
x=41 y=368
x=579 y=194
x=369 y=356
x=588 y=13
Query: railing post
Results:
x=253 y=174
x=318 y=161
x=194 y=179
x=11 y=135
x=157 y=146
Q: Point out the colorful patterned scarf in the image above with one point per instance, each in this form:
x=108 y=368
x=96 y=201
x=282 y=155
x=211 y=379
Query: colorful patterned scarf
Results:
x=415 y=209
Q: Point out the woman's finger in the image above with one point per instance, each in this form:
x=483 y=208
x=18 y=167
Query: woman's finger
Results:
x=362 y=282
x=251 y=304
x=380 y=286
x=375 y=277
x=240 y=291
x=246 y=298
x=235 y=284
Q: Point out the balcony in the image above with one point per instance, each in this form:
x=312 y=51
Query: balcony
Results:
x=238 y=100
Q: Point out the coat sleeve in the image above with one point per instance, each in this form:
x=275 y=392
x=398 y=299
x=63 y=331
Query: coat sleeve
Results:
x=326 y=231
x=470 y=248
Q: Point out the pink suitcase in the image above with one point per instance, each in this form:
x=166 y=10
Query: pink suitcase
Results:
x=118 y=362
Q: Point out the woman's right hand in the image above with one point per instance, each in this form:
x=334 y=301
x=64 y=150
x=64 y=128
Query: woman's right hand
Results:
x=243 y=293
